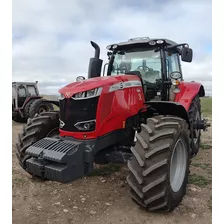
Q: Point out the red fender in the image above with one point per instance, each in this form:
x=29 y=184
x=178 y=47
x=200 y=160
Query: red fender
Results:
x=188 y=90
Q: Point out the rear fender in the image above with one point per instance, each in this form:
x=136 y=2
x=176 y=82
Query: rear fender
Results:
x=188 y=90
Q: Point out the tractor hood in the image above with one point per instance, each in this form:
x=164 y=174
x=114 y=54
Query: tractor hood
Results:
x=76 y=87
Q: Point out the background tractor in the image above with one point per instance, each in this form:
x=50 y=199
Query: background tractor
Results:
x=26 y=101
x=140 y=112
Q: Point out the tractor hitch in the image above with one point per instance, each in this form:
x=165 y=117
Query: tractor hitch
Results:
x=59 y=160
x=201 y=124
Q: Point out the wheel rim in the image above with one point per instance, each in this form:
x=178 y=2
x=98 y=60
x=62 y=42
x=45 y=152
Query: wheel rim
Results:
x=196 y=131
x=178 y=165
x=43 y=109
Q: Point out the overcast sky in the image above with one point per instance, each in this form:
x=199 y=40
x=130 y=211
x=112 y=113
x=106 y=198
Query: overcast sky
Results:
x=51 y=37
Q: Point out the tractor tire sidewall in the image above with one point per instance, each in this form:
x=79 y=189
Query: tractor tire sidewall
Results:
x=35 y=106
x=149 y=175
x=17 y=118
x=37 y=128
x=195 y=108
x=176 y=197
x=27 y=109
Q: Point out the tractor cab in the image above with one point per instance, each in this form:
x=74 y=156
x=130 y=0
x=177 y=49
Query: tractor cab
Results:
x=26 y=101
x=21 y=91
x=155 y=61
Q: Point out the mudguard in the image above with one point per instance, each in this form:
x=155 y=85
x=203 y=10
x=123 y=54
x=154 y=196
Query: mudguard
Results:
x=188 y=90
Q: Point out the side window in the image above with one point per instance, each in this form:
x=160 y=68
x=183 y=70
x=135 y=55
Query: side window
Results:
x=32 y=90
x=22 y=91
x=172 y=63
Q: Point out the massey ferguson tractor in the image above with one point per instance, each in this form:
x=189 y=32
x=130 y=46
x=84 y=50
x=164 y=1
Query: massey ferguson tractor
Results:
x=140 y=112
x=26 y=101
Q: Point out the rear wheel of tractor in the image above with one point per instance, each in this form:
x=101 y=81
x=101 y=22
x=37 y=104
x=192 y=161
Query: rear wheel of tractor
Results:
x=41 y=126
x=194 y=114
x=27 y=109
x=39 y=106
x=159 y=166
x=17 y=118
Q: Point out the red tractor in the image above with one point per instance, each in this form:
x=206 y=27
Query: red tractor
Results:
x=140 y=112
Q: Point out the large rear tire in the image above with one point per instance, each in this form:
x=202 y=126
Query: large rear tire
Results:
x=159 y=167
x=41 y=126
x=194 y=114
x=39 y=106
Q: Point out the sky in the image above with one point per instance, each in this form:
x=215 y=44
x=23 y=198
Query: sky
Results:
x=51 y=38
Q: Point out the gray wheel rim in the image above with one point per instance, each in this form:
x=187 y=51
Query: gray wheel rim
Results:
x=197 y=132
x=43 y=109
x=178 y=165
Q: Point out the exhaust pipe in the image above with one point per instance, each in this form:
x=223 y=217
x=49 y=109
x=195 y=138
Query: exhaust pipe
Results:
x=95 y=63
x=97 y=49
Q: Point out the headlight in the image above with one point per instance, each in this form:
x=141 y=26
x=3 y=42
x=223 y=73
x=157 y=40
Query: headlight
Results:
x=159 y=41
x=86 y=125
x=91 y=92
x=175 y=75
x=80 y=95
x=152 y=42
x=175 y=82
x=176 y=90
x=87 y=94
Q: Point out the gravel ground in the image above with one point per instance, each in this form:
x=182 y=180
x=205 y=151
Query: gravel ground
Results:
x=104 y=199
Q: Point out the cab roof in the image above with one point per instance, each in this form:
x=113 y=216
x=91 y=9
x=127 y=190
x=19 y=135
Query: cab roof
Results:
x=141 y=41
x=24 y=83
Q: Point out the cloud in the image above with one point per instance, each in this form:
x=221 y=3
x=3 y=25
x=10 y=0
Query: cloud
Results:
x=51 y=37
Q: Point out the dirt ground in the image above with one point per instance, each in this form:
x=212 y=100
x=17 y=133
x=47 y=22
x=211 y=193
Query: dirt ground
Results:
x=104 y=199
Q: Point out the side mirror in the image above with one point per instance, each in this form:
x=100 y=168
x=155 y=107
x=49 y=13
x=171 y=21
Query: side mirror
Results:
x=187 y=54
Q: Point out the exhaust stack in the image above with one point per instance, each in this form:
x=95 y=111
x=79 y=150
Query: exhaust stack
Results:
x=95 y=63
x=97 y=49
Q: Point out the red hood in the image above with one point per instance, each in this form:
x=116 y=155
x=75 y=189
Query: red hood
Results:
x=93 y=83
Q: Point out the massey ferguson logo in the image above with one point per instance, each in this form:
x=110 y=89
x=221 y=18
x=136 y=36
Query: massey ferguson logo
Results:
x=68 y=94
x=62 y=124
x=121 y=85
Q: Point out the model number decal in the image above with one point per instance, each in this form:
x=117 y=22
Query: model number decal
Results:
x=123 y=85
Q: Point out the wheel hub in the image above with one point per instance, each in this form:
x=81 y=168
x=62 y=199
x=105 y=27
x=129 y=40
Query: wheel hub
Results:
x=42 y=109
x=178 y=165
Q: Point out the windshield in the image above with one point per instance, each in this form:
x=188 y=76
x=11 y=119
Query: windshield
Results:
x=147 y=62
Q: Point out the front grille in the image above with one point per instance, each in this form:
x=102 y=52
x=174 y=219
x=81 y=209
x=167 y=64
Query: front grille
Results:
x=73 y=111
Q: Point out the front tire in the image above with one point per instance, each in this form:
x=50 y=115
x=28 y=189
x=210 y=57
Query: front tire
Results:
x=17 y=118
x=41 y=126
x=159 y=167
